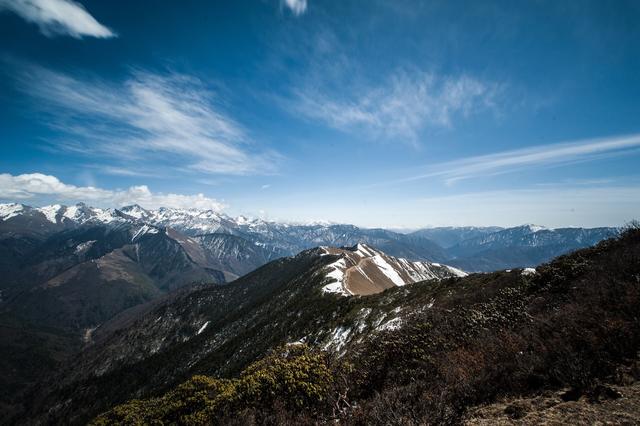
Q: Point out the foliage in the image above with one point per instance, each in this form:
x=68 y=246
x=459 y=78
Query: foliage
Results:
x=293 y=378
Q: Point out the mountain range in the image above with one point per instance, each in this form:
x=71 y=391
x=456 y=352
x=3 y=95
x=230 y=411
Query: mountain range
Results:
x=49 y=254
x=72 y=275
x=292 y=342
x=477 y=248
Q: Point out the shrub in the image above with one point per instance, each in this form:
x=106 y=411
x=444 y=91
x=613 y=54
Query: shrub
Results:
x=291 y=379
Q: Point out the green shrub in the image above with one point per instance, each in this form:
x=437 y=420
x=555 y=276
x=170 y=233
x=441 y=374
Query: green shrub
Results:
x=292 y=378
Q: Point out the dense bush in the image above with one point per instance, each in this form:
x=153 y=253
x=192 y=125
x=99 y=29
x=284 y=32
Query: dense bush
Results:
x=291 y=379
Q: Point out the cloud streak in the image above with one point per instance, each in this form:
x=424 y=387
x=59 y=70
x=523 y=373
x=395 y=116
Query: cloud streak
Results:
x=169 y=120
x=58 y=17
x=407 y=104
x=528 y=158
x=297 y=7
x=40 y=188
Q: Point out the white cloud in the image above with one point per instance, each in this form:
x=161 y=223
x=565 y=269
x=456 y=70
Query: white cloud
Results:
x=407 y=104
x=64 y=17
x=298 y=7
x=527 y=158
x=170 y=121
x=38 y=188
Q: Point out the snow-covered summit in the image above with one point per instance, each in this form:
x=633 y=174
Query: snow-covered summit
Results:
x=135 y=211
x=57 y=214
x=535 y=228
x=7 y=211
x=362 y=270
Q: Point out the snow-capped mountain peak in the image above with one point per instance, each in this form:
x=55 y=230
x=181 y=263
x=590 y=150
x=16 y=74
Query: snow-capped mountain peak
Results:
x=362 y=270
x=535 y=228
x=81 y=213
x=7 y=211
x=136 y=211
x=57 y=214
x=52 y=212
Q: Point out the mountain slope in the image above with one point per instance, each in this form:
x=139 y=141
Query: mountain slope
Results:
x=236 y=254
x=222 y=328
x=76 y=281
x=57 y=289
x=569 y=329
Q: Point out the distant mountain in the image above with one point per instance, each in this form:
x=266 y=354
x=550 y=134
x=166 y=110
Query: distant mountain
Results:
x=470 y=248
x=277 y=238
x=166 y=257
x=523 y=246
x=188 y=221
x=449 y=236
x=234 y=254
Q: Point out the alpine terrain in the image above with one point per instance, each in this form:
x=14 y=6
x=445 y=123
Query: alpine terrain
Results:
x=292 y=343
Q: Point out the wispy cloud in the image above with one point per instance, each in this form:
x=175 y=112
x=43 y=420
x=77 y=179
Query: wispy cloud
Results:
x=297 y=7
x=168 y=120
x=408 y=103
x=528 y=158
x=58 y=17
x=38 y=188
x=106 y=169
x=335 y=86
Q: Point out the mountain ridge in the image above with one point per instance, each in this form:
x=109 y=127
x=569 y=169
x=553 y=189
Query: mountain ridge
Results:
x=469 y=248
x=421 y=332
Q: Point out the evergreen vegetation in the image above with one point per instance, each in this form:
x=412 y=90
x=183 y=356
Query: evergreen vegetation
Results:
x=570 y=325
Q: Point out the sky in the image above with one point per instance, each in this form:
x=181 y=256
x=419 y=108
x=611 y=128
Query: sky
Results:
x=398 y=113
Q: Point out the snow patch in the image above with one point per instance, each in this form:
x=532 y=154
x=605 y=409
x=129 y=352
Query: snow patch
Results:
x=336 y=272
x=145 y=229
x=388 y=270
x=364 y=251
x=104 y=216
x=135 y=212
x=392 y=324
x=203 y=327
x=457 y=272
x=82 y=247
x=338 y=338
x=51 y=212
x=536 y=228
x=72 y=212
x=7 y=211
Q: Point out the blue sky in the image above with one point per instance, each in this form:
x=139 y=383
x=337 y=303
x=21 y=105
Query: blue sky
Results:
x=380 y=113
